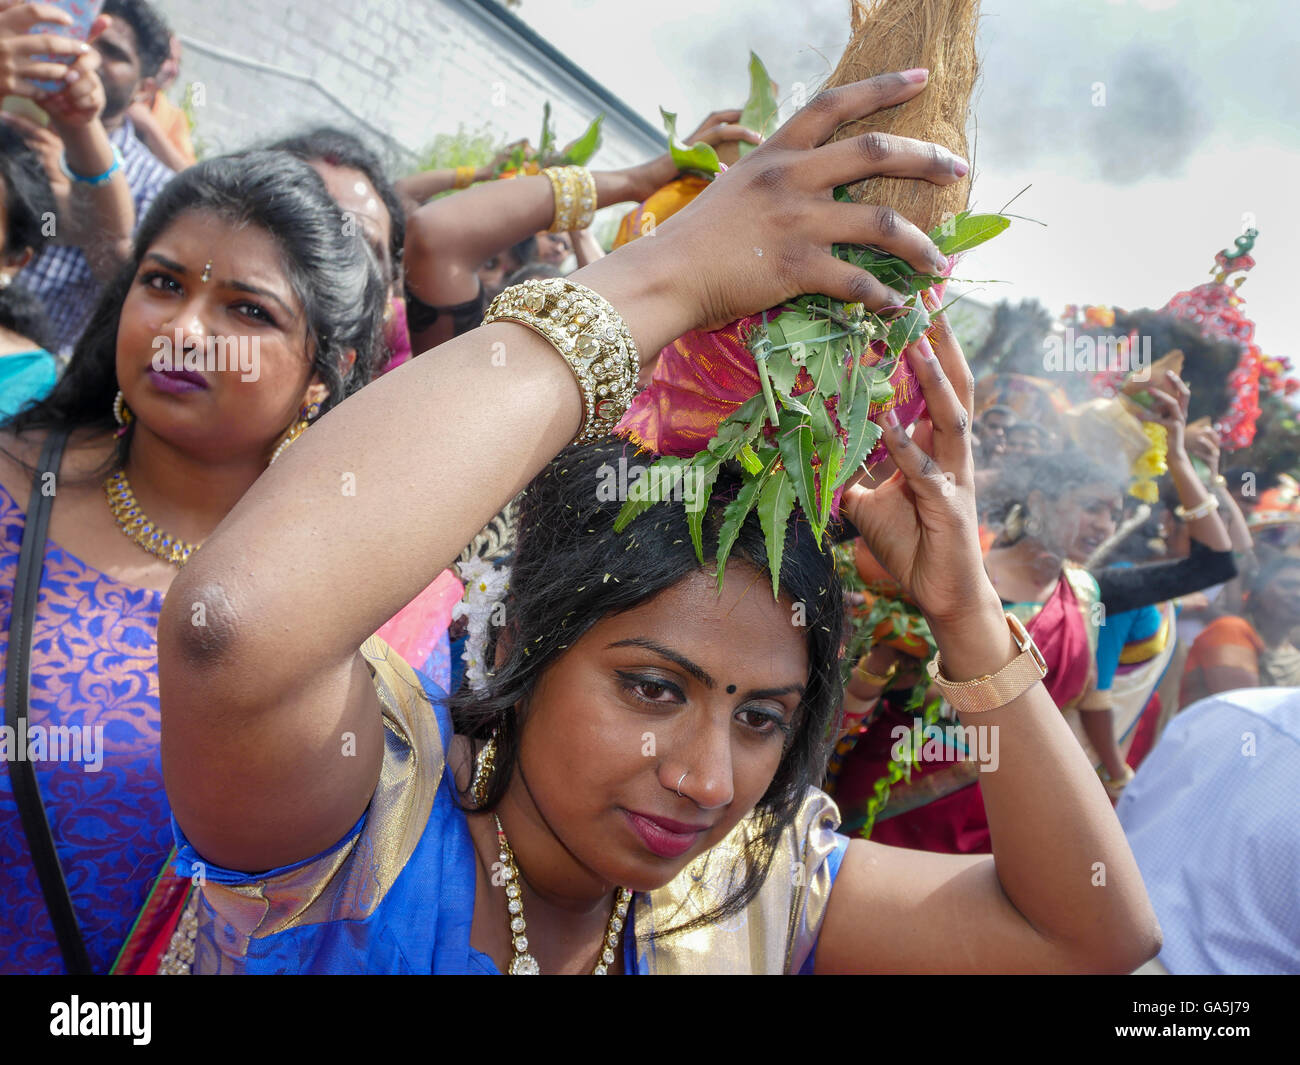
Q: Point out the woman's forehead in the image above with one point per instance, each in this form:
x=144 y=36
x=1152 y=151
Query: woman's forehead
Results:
x=738 y=632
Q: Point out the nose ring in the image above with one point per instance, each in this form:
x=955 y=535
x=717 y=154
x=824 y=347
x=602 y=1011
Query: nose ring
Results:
x=679 y=784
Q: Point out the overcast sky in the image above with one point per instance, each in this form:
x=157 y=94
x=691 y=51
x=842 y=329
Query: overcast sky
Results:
x=1200 y=127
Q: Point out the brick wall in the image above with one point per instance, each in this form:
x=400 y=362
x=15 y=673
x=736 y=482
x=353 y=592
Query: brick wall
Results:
x=397 y=72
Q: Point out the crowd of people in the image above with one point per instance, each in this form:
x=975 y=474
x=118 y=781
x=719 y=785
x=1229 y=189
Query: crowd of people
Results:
x=414 y=700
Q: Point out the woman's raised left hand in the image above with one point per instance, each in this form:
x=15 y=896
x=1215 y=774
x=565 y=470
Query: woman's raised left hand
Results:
x=921 y=523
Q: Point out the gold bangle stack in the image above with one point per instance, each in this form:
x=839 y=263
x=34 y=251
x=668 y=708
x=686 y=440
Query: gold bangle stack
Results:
x=593 y=338
x=464 y=176
x=575 y=197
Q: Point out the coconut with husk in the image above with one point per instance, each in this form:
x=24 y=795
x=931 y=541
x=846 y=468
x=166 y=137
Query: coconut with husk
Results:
x=819 y=372
x=893 y=35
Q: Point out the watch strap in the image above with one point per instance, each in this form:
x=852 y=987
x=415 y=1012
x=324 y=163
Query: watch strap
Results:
x=996 y=690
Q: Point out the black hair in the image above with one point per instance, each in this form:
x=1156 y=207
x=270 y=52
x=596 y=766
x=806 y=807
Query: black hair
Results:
x=153 y=37
x=28 y=203
x=526 y=250
x=334 y=276
x=571 y=569
x=340 y=148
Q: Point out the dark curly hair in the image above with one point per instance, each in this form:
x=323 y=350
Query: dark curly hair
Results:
x=334 y=276
x=153 y=37
x=571 y=569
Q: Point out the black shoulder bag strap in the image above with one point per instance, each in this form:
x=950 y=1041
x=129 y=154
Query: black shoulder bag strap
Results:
x=36 y=825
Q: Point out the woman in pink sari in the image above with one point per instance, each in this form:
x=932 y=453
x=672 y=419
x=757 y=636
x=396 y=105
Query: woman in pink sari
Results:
x=1055 y=509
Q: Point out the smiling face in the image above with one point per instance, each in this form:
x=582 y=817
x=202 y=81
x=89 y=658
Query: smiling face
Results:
x=690 y=682
x=1079 y=522
x=246 y=310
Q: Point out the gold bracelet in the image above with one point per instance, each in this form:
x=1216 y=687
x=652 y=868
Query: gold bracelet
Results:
x=1201 y=510
x=575 y=197
x=875 y=680
x=465 y=176
x=593 y=338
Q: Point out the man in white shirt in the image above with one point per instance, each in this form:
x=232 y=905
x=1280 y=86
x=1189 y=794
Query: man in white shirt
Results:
x=1213 y=818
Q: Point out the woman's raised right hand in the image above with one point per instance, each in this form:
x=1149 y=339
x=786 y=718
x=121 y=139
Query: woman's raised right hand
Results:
x=762 y=232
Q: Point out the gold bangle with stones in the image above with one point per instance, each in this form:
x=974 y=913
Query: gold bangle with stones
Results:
x=591 y=336
x=464 y=177
x=575 y=197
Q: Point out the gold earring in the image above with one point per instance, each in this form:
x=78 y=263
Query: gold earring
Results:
x=122 y=414
x=1014 y=523
x=305 y=417
x=485 y=764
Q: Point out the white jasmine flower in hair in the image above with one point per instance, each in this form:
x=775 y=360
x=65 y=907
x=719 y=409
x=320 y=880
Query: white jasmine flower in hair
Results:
x=485 y=589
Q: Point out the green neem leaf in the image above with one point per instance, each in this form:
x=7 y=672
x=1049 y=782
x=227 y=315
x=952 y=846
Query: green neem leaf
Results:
x=966 y=231
x=547 y=140
x=881 y=391
x=825 y=365
x=909 y=328
x=738 y=510
x=832 y=456
x=760 y=111
x=749 y=459
x=647 y=490
x=698 y=156
x=738 y=428
x=776 y=500
x=863 y=435
x=795 y=404
x=585 y=146
x=822 y=423
x=697 y=501
x=795 y=440
x=781 y=364
x=842 y=194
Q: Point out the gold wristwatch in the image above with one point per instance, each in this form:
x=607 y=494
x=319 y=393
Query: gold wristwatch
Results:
x=1008 y=683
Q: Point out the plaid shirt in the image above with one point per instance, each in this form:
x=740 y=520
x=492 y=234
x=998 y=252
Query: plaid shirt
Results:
x=60 y=275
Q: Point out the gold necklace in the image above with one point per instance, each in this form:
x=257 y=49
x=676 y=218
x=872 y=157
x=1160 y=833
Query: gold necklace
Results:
x=523 y=963
x=133 y=521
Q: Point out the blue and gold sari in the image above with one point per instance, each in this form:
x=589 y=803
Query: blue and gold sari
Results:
x=397 y=894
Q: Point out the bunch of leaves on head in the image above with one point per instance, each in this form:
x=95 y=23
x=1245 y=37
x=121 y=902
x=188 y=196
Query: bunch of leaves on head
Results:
x=824 y=368
x=548 y=153
x=867 y=629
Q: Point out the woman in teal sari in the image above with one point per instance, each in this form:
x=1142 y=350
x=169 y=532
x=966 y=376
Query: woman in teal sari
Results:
x=640 y=799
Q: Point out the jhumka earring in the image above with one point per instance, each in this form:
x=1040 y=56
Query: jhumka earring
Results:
x=305 y=417
x=122 y=414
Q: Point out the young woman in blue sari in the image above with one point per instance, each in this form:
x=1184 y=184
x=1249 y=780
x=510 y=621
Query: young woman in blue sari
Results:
x=664 y=743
